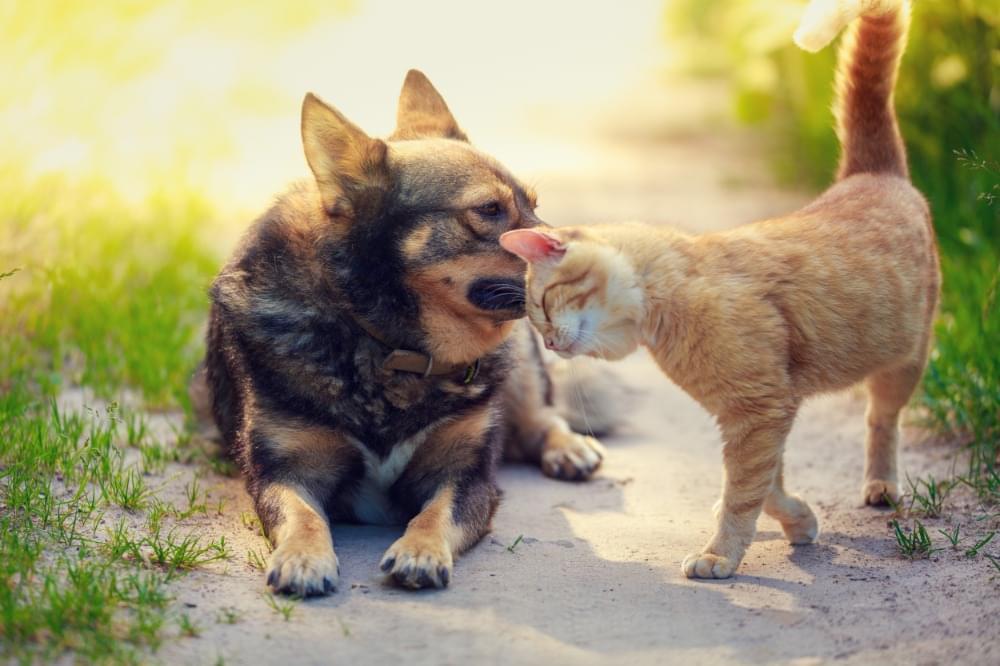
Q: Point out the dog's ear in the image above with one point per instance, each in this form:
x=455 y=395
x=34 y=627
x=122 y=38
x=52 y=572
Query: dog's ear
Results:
x=422 y=112
x=349 y=166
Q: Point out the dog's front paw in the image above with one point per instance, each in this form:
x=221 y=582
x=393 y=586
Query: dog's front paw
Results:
x=303 y=572
x=571 y=456
x=418 y=560
x=708 y=565
x=880 y=493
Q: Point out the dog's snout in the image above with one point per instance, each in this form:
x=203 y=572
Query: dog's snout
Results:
x=501 y=295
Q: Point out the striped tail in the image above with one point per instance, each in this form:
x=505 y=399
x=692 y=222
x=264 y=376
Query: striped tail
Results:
x=868 y=62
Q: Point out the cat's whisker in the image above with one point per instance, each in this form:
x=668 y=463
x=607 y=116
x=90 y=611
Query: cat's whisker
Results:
x=580 y=397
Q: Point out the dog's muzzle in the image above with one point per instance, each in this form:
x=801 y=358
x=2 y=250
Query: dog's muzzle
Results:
x=502 y=296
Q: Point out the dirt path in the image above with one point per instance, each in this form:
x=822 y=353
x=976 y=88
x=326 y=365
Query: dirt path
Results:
x=596 y=575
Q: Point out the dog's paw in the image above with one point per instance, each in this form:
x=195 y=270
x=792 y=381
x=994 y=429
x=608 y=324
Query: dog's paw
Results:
x=418 y=560
x=708 y=565
x=303 y=572
x=880 y=493
x=572 y=457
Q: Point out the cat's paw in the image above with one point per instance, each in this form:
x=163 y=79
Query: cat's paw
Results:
x=803 y=530
x=880 y=493
x=303 y=571
x=571 y=456
x=418 y=560
x=708 y=565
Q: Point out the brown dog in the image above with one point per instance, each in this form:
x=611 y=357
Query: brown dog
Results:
x=364 y=360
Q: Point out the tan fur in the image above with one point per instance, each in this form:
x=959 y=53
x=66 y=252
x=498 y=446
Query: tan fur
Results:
x=303 y=557
x=752 y=321
x=452 y=445
x=457 y=331
x=317 y=450
x=425 y=553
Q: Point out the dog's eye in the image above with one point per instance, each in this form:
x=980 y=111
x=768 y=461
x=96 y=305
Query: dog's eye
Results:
x=492 y=209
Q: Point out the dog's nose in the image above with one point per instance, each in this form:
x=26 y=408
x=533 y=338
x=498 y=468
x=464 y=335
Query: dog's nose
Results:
x=498 y=294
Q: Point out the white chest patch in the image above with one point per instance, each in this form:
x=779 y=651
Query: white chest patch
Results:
x=371 y=503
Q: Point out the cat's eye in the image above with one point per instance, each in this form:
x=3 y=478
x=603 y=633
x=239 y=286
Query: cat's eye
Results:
x=491 y=209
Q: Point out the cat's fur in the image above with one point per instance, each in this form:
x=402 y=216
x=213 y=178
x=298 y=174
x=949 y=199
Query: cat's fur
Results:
x=392 y=244
x=754 y=320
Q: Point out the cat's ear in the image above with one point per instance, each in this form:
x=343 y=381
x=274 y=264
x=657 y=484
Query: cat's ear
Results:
x=348 y=165
x=533 y=245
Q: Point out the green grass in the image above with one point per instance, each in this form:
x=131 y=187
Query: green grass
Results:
x=953 y=536
x=511 y=547
x=927 y=496
x=913 y=543
x=980 y=544
x=283 y=607
x=101 y=294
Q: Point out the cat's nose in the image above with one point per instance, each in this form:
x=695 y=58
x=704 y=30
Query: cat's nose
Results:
x=550 y=343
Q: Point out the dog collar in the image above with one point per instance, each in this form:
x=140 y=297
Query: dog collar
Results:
x=405 y=360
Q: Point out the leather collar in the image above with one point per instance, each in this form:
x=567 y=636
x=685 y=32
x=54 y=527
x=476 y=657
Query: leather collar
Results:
x=405 y=360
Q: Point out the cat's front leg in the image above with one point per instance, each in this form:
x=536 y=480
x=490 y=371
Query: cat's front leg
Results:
x=752 y=458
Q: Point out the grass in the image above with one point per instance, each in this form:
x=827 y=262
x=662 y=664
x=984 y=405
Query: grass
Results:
x=913 y=543
x=187 y=626
x=927 y=496
x=228 y=615
x=974 y=550
x=952 y=536
x=256 y=559
x=283 y=607
x=70 y=581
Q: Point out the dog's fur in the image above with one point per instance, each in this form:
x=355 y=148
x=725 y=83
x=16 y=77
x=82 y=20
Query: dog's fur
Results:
x=393 y=244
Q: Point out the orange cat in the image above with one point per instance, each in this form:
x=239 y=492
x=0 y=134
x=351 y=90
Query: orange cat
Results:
x=754 y=320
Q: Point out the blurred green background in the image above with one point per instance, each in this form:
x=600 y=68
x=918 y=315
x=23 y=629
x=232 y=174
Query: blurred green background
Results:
x=140 y=138
x=948 y=103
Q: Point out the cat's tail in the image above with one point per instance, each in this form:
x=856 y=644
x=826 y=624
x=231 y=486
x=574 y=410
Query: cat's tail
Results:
x=868 y=62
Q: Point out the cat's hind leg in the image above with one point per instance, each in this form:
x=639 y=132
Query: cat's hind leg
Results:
x=752 y=459
x=796 y=518
x=888 y=392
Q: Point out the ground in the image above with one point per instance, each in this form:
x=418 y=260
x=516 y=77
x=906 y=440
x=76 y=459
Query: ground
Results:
x=590 y=572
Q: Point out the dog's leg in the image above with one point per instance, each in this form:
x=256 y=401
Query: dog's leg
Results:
x=303 y=562
x=535 y=430
x=292 y=469
x=452 y=478
x=449 y=523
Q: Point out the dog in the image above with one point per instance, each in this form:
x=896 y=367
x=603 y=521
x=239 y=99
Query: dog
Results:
x=365 y=362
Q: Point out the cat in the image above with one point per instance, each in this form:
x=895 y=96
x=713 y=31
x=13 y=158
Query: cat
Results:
x=752 y=321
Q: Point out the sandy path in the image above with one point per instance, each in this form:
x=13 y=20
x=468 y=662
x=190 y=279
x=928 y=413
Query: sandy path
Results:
x=596 y=577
